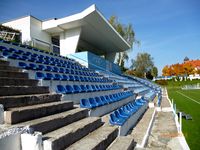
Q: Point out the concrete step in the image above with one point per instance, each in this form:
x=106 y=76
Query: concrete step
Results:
x=4 y=81
x=65 y=136
x=13 y=74
x=99 y=139
x=22 y=90
x=2 y=62
x=9 y=68
x=21 y=114
x=123 y=142
x=26 y=100
x=53 y=122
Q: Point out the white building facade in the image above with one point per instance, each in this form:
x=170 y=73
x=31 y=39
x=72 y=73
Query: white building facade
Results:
x=85 y=31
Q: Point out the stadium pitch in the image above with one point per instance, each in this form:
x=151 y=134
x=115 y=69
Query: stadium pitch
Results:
x=188 y=101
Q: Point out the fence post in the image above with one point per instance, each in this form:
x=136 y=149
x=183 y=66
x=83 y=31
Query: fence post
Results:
x=180 y=122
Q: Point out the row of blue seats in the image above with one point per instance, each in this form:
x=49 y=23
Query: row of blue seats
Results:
x=104 y=100
x=159 y=99
x=68 y=89
x=120 y=116
x=40 y=67
x=34 y=49
x=32 y=54
x=150 y=96
x=26 y=56
x=64 y=77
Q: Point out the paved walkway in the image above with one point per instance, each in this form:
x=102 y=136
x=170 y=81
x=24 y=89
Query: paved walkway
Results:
x=164 y=134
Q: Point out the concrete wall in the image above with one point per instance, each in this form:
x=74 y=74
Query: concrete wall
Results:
x=22 y=24
x=37 y=33
x=69 y=41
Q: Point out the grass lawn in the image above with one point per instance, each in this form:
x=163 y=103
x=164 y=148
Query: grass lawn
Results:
x=191 y=128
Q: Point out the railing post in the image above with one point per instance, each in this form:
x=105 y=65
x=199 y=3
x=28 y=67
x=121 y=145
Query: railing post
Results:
x=180 y=122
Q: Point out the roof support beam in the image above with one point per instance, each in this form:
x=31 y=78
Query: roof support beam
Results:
x=69 y=41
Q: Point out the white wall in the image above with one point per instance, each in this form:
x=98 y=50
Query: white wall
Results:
x=22 y=24
x=69 y=41
x=36 y=31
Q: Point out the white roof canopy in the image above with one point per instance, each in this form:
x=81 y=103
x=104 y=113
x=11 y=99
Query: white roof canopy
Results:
x=95 y=29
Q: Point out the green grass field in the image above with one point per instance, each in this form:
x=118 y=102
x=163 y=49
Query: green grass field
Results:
x=185 y=101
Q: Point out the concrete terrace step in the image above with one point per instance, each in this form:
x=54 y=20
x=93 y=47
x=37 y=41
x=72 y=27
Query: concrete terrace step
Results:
x=9 y=68
x=22 y=90
x=123 y=142
x=99 y=139
x=65 y=136
x=20 y=114
x=17 y=82
x=13 y=74
x=25 y=100
x=52 y=122
x=2 y=62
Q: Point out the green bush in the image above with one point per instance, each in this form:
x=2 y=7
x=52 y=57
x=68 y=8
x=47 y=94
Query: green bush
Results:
x=162 y=82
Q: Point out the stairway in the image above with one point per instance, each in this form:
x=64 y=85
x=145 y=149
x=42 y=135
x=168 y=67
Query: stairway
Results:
x=62 y=125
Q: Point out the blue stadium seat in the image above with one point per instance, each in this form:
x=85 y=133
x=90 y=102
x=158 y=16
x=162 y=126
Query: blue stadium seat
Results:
x=69 y=89
x=77 y=89
x=83 y=88
x=65 y=77
x=99 y=101
x=27 y=53
x=55 y=69
x=76 y=78
x=108 y=99
x=123 y=113
x=85 y=103
x=118 y=115
x=114 y=120
x=48 y=76
x=13 y=56
x=57 y=77
x=39 y=75
x=103 y=99
x=23 y=65
x=66 y=71
x=48 y=68
x=41 y=67
x=39 y=60
x=32 y=59
x=81 y=79
x=97 y=88
x=33 y=66
x=60 y=89
x=3 y=48
x=93 y=88
x=93 y=102
x=71 y=78
x=61 y=70
x=89 y=89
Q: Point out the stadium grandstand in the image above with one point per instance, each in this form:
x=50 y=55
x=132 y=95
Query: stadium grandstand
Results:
x=71 y=95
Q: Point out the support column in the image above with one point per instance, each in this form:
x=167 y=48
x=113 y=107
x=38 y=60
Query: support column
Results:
x=110 y=57
x=69 y=41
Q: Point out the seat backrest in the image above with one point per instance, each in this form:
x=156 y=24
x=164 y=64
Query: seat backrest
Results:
x=39 y=75
x=69 y=89
x=61 y=89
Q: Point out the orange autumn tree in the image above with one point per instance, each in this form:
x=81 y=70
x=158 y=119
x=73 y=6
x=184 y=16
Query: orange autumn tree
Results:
x=185 y=68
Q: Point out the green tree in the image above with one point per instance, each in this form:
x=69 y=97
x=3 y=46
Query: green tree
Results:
x=154 y=71
x=142 y=64
x=127 y=32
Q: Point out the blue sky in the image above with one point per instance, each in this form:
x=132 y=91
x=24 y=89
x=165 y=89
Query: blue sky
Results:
x=168 y=29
